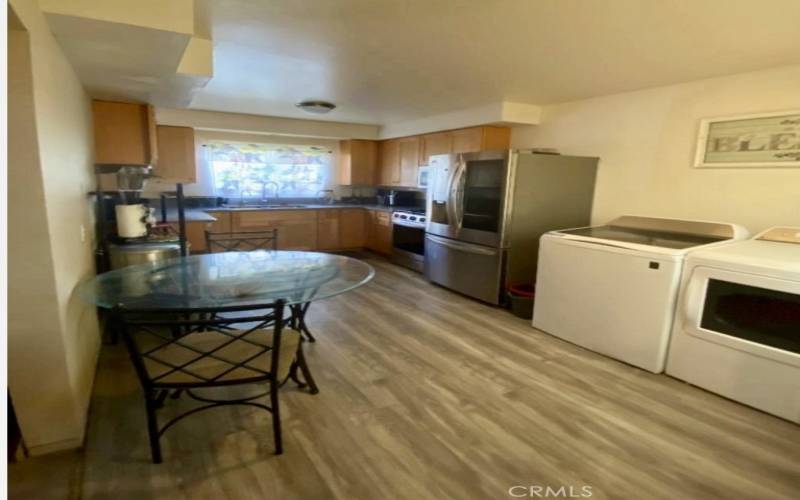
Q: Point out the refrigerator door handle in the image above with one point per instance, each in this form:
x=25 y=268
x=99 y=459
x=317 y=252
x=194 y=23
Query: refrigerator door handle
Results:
x=461 y=246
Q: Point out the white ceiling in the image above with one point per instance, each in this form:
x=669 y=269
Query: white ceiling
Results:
x=384 y=61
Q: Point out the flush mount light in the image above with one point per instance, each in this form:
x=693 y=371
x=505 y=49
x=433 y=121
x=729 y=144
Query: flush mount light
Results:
x=316 y=107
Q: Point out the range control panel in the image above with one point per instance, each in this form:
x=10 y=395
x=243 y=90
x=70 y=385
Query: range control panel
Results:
x=409 y=219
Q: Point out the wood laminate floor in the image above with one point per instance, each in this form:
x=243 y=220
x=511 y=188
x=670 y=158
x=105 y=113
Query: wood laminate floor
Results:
x=428 y=395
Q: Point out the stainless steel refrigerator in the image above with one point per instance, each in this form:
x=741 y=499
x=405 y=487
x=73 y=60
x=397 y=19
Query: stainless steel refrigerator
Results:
x=487 y=210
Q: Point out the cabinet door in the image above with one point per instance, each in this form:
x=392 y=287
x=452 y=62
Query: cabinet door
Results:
x=221 y=225
x=357 y=162
x=390 y=163
x=409 y=161
x=124 y=133
x=328 y=227
x=176 y=154
x=379 y=234
x=440 y=143
x=298 y=234
x=467 y=140
x=297 y=229
x=384 y=230
x=352 y=228
x=195 y=235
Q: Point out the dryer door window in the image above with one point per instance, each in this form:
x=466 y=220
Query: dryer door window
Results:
x=767 y=317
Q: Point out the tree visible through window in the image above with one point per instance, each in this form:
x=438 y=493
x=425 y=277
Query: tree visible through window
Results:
x=262 y=171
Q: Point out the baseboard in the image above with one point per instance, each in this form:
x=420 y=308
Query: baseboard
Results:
x=44 y=449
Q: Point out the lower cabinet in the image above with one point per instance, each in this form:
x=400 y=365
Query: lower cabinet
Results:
x=341 y=228
x=195 y=235
x=379 y=232
x=297 y=229
x=352 y=228
x=326 y=229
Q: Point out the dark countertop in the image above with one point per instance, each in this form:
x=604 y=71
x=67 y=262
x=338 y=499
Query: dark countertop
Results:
x=202 y=215
x=191 y=215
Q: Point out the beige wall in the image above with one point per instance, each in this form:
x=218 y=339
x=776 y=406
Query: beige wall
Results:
x=646 y=143
x=53 y=335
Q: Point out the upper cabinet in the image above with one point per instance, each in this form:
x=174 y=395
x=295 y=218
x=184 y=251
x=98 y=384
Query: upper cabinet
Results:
x=357 y=162
x=409 y=160
x=440 y=143
x=471 y=140
x=400 y=158
x=124 y=133
x=176 y=154
x=389 y=174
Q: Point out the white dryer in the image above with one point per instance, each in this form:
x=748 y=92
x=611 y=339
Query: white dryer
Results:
x=612 y=288
x=737 y=329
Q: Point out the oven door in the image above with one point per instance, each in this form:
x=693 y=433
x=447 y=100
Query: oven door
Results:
x=408 y=246
x=755 y=314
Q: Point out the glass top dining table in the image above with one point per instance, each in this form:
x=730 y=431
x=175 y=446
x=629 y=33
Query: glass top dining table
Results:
x=228 y=279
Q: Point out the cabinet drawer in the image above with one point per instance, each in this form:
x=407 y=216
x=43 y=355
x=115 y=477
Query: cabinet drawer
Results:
x=252 y=220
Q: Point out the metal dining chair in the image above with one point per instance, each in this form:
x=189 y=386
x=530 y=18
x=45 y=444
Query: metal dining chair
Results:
x=254 y=348
x=242 y=241
x=246 y=241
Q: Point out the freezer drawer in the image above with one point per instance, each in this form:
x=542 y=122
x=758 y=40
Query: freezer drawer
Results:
x=614 y=301
x=470 y=269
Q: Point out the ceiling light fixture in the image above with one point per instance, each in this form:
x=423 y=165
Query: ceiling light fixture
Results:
x=316 y=107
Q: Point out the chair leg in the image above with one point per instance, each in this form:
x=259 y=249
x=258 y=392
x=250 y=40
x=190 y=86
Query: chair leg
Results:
x=301 y=362
x=276 y=416
x=152 y=426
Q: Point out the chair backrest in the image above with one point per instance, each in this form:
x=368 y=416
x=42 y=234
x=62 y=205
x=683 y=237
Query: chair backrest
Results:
x=201 y=347
x=242 y=241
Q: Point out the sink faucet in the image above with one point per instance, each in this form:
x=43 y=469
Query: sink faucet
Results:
x=276 y=191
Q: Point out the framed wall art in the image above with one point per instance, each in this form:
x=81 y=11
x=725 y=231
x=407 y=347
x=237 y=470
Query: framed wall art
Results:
x=757 y=140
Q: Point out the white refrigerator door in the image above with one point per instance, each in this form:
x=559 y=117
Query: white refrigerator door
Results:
x=614 y=301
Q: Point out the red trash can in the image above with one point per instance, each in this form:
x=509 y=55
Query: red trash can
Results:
x=521 y=300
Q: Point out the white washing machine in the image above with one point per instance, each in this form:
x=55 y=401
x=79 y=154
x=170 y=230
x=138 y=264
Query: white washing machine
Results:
x=612 y=288
x=737 y=328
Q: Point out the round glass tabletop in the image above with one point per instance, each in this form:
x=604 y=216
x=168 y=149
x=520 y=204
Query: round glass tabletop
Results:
x=228 y=279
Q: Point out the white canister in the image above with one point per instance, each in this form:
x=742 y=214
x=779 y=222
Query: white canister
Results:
x=132 y=220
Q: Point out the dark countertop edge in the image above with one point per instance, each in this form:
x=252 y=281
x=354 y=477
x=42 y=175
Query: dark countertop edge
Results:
x=198 y=214
x=304 y=207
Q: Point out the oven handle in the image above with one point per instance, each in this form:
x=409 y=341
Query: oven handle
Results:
x=461 y=246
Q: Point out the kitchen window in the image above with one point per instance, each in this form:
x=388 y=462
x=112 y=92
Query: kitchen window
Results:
x=246 y=170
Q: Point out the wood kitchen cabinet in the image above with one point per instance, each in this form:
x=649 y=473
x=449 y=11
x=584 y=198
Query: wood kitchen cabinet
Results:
x=195 y=235
x=409 y=160
x=474 y=139
x=124 y=133
x=440 y=143
x=357 y=162
x=339 y=229
x=389 y=174
x=379 y=231
x=223 y=222
x=328 y=227
x=401 y=158
x=352 y=227
x=297 y=229
x=176 y=154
